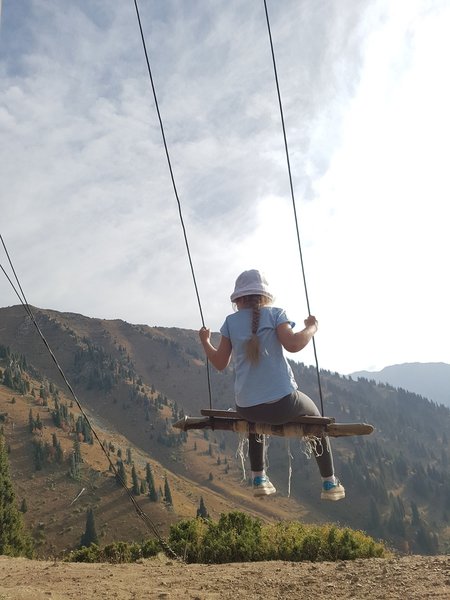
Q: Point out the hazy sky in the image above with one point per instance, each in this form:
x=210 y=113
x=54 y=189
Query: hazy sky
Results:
x=87 y=208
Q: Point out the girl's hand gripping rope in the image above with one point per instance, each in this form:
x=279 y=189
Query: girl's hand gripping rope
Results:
x=205 y=335
x=311 y=321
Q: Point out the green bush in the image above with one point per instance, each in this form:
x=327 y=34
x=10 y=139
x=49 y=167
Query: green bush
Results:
x=118 y=552
x=121 y=552
x=89 y=555
x=235 y=537
x=150 y=548
x=186 y=538
x=239 y=537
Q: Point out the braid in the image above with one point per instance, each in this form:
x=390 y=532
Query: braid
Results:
x=252 y=346
x=256 y=314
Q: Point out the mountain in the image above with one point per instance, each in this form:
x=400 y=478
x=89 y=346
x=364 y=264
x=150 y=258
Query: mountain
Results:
x=131 y=413
x=135 y=380
x=431 y=380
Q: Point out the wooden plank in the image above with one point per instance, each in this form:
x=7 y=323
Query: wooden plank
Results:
x=287 y=430
x=232 y=414
x=245 y=427
x=345 y=429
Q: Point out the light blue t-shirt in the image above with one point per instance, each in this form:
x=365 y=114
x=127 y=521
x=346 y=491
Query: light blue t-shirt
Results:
x=271 y=378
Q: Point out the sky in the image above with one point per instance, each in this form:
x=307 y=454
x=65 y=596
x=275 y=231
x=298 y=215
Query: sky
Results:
x=87 y=207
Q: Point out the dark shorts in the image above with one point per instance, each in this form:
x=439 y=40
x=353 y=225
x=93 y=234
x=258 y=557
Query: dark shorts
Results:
x=282 y=411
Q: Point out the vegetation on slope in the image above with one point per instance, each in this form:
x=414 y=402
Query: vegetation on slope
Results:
x=237 y=537
x=14 y=539
x=142 y=378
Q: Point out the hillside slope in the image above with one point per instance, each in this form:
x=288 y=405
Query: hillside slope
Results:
x=137 y=379
x=56 y=514
x=55 y=518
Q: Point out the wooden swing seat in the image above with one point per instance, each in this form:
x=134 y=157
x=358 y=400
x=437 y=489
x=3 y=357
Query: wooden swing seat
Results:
x=305 y=426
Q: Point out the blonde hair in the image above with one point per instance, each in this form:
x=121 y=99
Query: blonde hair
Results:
x=255 y=302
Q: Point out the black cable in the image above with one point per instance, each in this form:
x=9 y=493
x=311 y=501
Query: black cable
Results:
x=292 y=195
x=23 y=300
x=144 y=46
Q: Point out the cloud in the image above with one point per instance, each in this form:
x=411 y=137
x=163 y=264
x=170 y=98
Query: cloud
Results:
x=87 y=205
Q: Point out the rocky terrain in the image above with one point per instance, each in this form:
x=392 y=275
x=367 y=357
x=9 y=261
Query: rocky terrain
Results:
x=408 y=577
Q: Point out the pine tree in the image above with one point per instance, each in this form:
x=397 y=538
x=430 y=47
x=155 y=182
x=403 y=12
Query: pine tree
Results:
x=201 y=510
x=74 y=470
x=30 y=421
x=121 y=476
x=152 y=493
x=8 y=378
x=76 y=460
x=77 y=451
x=136 y=489
x=59 y=454
x=86 y=431
x=167 y=493
x=90 y=534
x=14 y=540
x=129 y=458
x=38 y=455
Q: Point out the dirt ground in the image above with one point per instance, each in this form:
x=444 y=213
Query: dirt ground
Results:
x=407 y=578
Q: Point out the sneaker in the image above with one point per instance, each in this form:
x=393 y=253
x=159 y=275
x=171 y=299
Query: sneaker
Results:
x=332 y=491
x=263 y=487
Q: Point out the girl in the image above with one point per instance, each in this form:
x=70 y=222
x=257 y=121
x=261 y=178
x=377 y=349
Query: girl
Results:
x=265 y=388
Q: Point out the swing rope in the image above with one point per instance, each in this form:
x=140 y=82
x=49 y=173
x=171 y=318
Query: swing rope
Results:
x=288 y=162
x=23 y=300
x=172 y=177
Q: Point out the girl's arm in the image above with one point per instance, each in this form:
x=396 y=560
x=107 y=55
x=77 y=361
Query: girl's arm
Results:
x=219 y=357
x=294 y=342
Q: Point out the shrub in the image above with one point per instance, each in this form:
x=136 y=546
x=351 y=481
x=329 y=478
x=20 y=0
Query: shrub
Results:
x=121 y=552
x=239 y=537
x=118 y=552
x=186 y=538
x=150 y=548
x=89 y=555
x=236 y=537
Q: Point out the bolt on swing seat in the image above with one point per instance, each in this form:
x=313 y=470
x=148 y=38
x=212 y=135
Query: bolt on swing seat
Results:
x=306 y=426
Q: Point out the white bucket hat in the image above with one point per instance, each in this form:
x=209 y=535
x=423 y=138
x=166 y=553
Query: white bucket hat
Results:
x=249 y=283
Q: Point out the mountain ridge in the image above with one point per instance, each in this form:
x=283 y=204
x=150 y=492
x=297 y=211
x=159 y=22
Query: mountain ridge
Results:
x=138 y=380
x=431 y=380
